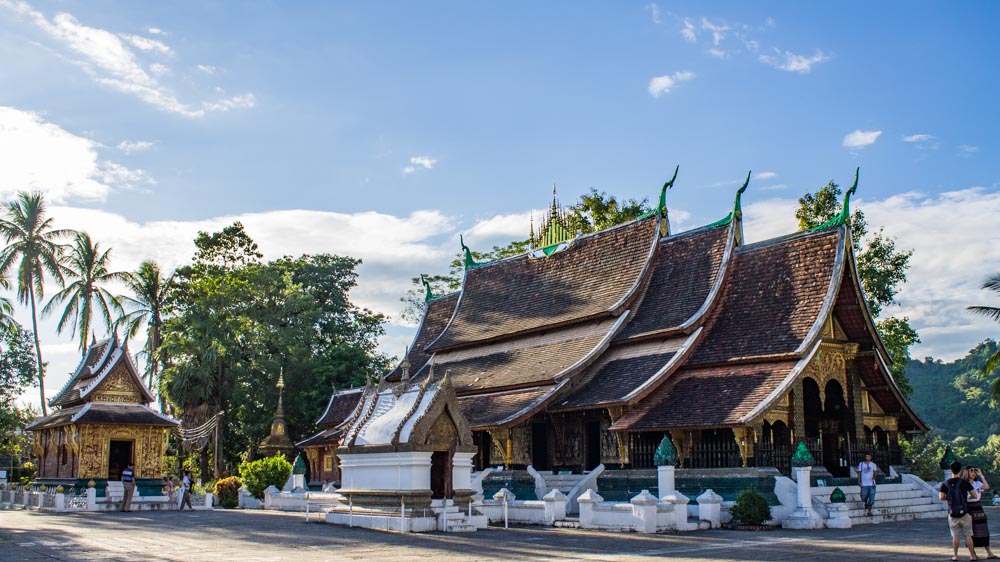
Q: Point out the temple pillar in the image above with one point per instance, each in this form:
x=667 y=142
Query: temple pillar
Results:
x=798 y=412
x=508 y=457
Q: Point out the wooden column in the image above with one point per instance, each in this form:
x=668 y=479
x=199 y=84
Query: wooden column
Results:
x=508 y=458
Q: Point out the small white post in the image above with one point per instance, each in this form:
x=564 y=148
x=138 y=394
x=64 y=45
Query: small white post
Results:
x=60 y=502
x=710 y=508
x=505 y=523
x=307 y=507
x=402 y=514
x=644 y=512
x=505 y=496
x=804 y=516
x=350 y=510
x=91 y=499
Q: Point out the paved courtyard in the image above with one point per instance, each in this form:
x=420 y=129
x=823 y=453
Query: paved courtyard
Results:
x=257 y=535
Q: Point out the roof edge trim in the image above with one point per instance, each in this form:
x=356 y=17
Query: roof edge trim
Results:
x=720 y=277
x=831 y=294
x=777 y=392
x=653 y=382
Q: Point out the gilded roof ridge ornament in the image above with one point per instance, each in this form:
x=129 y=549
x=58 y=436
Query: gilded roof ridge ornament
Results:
x=844 y=216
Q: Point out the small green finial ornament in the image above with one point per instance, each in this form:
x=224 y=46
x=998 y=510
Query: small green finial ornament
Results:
x=300 y=465
x=802 y=456
x=838 y=496
x=666 y=453
x=948 y=458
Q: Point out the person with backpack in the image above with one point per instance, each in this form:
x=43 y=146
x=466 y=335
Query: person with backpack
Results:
x=128 y=485
x=956 y=492
x=186 y=491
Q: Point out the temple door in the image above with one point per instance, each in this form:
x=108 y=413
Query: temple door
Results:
x=119 y=457
x=440 y=475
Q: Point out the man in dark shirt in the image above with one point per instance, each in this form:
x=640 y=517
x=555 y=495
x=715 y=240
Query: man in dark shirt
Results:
x=958 y=526
x=128 y=482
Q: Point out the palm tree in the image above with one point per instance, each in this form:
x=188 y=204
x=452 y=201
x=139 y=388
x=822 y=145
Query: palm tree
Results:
x=87 y=266
x=146 y=305
x=7 y=323
x=32 y=244
x=992 y=283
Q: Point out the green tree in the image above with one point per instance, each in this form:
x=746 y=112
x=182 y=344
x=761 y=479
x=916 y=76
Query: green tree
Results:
x=145 y=305
x=237 y=322
x=7 y=322
x=599 y=211
x=992 y=283
x=33 y=248
x=881 y=270
x=88 y=268
x=17 y=372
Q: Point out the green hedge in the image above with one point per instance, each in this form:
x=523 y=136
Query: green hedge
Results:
x=258 y=475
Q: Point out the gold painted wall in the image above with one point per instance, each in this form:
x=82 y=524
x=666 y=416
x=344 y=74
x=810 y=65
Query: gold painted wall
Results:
x=148 y=449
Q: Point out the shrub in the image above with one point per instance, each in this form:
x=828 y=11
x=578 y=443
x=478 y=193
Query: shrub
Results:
x=258 y=475
x=228 y=491
x=750 y=508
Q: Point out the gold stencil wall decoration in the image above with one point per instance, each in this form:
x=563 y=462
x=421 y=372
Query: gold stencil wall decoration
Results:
x=118 y=388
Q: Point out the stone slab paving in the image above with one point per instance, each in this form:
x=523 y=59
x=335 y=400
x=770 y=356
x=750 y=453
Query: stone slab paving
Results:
x=258 y=535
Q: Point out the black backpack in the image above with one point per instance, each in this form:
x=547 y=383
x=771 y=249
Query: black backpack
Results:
x=958 y=499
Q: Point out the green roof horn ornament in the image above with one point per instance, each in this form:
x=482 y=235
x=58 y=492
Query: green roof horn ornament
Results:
x=844 y=216
x=802 y=456
x=666 y=453
x=428 y=294
x=737 y=212
x=948 y=458
x=300 y=465
x=661 y=206
x=838 y=496
x=470 y=263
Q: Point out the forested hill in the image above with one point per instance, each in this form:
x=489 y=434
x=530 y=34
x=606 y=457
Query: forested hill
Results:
x=952 y=398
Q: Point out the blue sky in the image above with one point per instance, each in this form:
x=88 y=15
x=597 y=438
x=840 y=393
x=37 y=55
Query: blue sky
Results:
x=383 y=130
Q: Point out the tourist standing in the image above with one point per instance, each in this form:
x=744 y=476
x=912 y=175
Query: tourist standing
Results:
x=128 y=483
x=867 y=471
x=980 y=526
x=186 y=491
x=956 y=491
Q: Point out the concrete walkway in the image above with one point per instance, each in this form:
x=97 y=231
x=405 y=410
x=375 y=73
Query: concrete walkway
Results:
x=258 y=535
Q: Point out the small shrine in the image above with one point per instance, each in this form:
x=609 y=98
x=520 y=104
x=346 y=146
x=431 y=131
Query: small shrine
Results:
x=406 y=449
x=278 y=442
x=321 y=448
x=100 y=423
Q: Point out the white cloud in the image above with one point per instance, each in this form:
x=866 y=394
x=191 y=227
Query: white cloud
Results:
x=206 y=68
x=44 y=157
x=769 y=22
x=418 y=163
x=130 y=146
x=949 y=261
x=159 y=69
x=147 y=44
x=922 y=141
x=765 y=175
x=156 y=31
x=965 y=150
x=718 y=53
x=918 y=138
x=110 y=61
x=718 y=30
x=654 y=11
x=860 y=139
x=688 y=31
x=663 y=84
x=244 y=101
x=791 y=62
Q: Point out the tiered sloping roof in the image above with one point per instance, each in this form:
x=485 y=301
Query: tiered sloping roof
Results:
x=77 y=401
x=682 y=330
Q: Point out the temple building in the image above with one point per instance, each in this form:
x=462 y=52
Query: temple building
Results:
x=588 y=349
x=102 y=422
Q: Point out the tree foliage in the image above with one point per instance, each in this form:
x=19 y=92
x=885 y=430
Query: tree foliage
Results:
x=146 y=304
x=881 y=270
x=259 y=474
x=237 y=322
x=598 y=210
x=88 y=269
x=992 y=363
x=34 y=250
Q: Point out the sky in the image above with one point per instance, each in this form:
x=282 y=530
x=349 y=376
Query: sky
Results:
x=385 y=130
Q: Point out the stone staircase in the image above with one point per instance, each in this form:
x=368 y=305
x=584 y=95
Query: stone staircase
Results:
x=562 y=482
x=457 y=521
x=893 y=502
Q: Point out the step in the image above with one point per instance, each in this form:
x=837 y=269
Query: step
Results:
x=886 y=511
x=883 y=503
x=568 y=524
x=857 y=489
x=825 y=498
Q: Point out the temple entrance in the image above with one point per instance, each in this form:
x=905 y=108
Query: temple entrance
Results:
x=540 y=454
x=833 y=427
x=119 y=457
x=484 y=444
x=592 y=445
x=440 y=475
